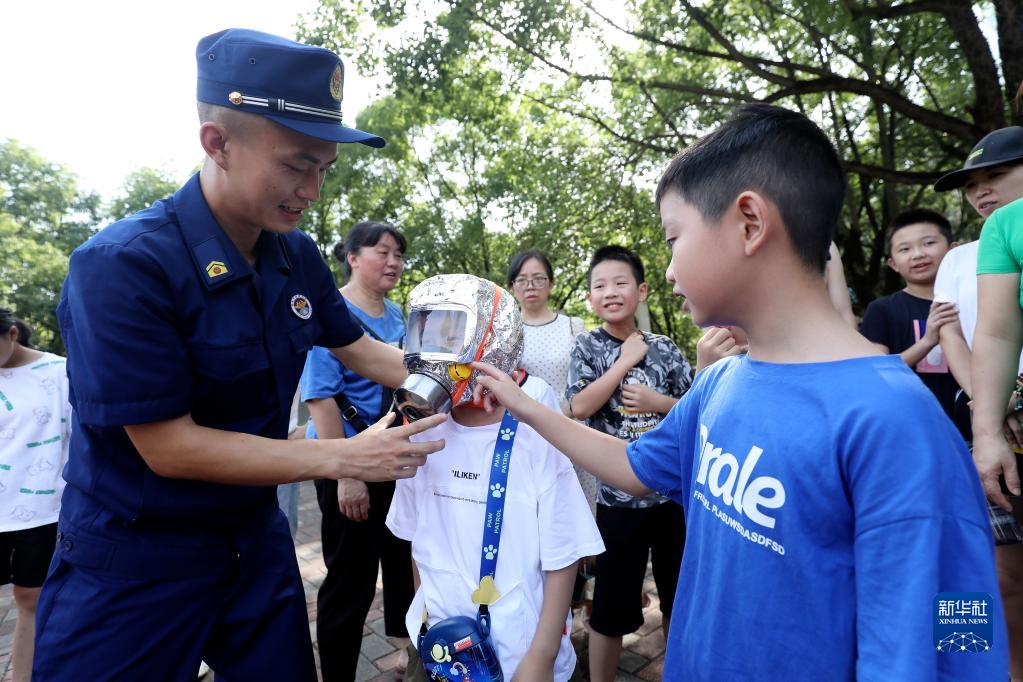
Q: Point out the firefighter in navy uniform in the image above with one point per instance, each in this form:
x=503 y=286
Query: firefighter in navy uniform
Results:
x=187 y=326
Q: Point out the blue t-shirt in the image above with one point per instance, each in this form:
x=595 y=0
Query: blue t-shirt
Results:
x=826 y=506
x=324 y=376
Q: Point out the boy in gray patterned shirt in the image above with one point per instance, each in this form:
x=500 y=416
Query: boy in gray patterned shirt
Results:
x=622 y=381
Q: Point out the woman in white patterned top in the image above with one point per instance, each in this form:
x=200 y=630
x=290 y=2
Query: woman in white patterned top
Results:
x=35 y=425
x=549 y=335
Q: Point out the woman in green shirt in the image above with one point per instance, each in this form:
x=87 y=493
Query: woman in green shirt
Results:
x=999 y=333
x=993 y=181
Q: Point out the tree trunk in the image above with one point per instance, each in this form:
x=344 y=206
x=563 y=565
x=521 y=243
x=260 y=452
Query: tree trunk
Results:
x=1009 y=16
x=989 y=107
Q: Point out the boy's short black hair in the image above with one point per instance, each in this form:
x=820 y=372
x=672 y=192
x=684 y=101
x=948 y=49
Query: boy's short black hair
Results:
x=913 y=216
x=366 y=233
x=619 y=253
x=781 y=154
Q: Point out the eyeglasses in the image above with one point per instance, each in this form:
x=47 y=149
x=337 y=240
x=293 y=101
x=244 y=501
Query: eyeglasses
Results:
x=538 y=282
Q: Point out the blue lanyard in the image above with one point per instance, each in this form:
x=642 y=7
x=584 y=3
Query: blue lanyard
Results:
x=497 y=492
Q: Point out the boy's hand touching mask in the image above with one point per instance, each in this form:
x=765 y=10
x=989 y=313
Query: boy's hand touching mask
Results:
x=495 y=389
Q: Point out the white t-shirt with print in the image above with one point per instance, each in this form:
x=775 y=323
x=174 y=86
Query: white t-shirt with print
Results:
x=547 y=526
x=956 y=282
x=35 y=429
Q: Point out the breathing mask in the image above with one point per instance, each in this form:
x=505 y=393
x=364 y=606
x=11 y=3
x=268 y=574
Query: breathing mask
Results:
x=454 y=320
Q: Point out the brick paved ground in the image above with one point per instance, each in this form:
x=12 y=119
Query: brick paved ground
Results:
x=642 y=657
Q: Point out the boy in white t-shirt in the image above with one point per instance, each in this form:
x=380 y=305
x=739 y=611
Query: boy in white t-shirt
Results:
x=35 y=429
x=956 y=283
x=547 y=528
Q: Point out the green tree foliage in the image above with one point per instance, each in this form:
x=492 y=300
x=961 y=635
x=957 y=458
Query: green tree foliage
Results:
x=43 y=217
x=551 y=119
x=141 y=188
x=31 y=272
x=474 y=172
x=43 y=197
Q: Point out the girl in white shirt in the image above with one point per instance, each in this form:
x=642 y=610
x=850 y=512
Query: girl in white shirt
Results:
x=35 y=425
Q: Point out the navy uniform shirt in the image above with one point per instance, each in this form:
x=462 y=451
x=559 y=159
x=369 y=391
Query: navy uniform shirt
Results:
x=162 y=316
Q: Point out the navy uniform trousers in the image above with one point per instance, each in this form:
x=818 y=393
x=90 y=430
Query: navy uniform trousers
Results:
x=240 y=606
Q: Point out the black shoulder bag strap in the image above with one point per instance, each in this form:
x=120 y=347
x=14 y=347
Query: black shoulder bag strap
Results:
x=348 y=411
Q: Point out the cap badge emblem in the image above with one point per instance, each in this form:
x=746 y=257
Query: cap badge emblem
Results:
x=301 y=306
x=337 y=83
x=215 y=268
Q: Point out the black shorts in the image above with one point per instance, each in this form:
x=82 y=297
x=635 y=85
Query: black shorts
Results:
x=630 y=535
x=25 y=555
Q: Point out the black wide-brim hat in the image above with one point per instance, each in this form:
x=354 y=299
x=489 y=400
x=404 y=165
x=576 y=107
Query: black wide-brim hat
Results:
x=1004 y=145
x=298 y=86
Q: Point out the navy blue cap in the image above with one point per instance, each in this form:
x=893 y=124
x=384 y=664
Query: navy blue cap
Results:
x=298 y=86
x=1002 y=146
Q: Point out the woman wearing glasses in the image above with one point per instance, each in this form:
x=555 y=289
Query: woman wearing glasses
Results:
x=549 y=335
x=356 y=544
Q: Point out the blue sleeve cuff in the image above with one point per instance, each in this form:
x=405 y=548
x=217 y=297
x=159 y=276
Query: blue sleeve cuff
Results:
x=321 y=377
x=134 y=412
x=339 y=339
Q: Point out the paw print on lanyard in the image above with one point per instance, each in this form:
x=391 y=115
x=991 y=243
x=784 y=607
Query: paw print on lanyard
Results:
x=490 y=552
x=507 y=434
x=497 y=490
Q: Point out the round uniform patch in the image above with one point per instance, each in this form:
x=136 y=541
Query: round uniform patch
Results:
x=301 y=306
x=337 y=83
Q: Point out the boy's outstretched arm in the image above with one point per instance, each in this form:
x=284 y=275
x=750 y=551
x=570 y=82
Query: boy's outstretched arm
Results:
x=600 y=454
x=538 y=663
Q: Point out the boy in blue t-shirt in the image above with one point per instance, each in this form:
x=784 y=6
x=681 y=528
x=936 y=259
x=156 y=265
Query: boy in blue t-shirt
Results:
x=829 y=501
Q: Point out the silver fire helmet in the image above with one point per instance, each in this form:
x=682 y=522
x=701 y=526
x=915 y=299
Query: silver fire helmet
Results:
x=454 y=320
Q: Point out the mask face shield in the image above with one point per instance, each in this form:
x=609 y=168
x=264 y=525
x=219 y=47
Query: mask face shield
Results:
x=454 y=320
x=441 y=334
